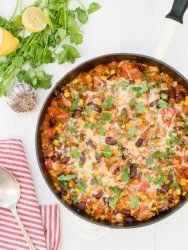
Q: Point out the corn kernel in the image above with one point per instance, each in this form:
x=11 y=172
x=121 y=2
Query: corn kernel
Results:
x=112 y=71
x=184 y=193
x=54 y=174
x=77 y=191
x=178 y=191
x=170 y=191
x=186 y=101
x=154 y=208
x=81 y=102
x=56 y=143
x=66 y=94
x=55 y=185
x=119 y=218
x=71 y=183
x=176 y=201
x=102 y=217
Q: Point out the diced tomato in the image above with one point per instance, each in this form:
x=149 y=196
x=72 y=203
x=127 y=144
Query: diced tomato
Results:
x=143 y=187
x=48 y=164
x=62 y=116
x=51 y=132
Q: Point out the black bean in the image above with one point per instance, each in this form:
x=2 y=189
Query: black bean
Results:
x=65 y=160
x=129 y=219
x=63 y=190
x=164 y=188
x=124 y=157
x=139 y=142
x=154 y=103
x=141 y=68
x=170 y=199
x=105 y=200
x=172 y=92
x=54 y=158
x=126 y=212
x=98 y=158
x=96 y=107
x=98 y=195
x=77 y=113
x=116 y=170
x=170 y=178
x=81 y=206
x=110 y=140
x=52 y=122
x=82 y=158
x=90 y=143
x=58 y=96
x=133 y=170
x=111 y=76
x=181 y=96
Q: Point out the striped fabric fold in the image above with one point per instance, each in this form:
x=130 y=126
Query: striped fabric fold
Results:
x=40 y=222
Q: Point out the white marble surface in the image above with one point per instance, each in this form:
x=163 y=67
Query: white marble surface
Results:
x=121 y=26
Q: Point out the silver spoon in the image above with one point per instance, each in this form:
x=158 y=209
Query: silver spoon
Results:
x=9 y=197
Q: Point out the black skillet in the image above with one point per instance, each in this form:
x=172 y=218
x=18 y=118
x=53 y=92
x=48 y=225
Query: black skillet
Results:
x=176 y=13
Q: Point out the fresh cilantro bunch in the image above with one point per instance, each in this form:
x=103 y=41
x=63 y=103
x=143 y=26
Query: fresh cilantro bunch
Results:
x=57 y=42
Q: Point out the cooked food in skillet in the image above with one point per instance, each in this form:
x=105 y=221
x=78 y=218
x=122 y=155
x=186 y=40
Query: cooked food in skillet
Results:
x=115 y=142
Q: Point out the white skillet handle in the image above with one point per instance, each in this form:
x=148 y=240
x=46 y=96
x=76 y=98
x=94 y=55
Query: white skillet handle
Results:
x=173 y=21
x=26 y=236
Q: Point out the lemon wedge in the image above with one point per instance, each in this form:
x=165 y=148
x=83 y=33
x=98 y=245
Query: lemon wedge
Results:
x=33 y=19
x=8 y=43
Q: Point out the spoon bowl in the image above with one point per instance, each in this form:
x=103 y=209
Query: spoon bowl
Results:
x=9 y=189
x=9 y=196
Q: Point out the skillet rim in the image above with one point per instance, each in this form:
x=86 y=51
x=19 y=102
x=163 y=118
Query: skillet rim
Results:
x=100 y=60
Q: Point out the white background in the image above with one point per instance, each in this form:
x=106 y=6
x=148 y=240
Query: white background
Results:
x=120 y=26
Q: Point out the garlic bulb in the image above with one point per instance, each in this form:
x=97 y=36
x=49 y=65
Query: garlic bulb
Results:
x=22 y=98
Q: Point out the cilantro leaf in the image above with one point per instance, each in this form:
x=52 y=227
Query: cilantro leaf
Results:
x=75 y=153
x=74 y=104
x=124 y=84
x=163 y=104
x=82 y=15
x=68 y=54
x=160 y=180
x=106 y=117
x=93 y=7
x=81 y=186
x=102 y=130
x=108 y=153
x=90 y=125
x=149 y=160
x=186 y=128
x=67 y=177
x=125 y=174
x=108 y=103
x=140 y=107
x=134 y=202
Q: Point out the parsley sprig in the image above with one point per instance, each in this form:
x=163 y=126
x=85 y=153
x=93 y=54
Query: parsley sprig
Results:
x=55 y=43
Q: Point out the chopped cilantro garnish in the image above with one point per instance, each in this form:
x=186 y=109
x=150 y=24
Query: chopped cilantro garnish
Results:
x=186 y=128
x=149 y=160
x=124 y=85
x=163 y=104
x=106 y=117
x=102 y=130
x=81 y=186
x=75 y=153
x=74 y=104
x=113 y=200
x=74 y=199
x=159 y=170
x=140 y=107
x=88 y=110
x=132 y=103
x=72 y=129
x=93 y=7
x=125 y=174
x=67 y=177
x=149 y=178
x=134 y=202
x=108 y=103
x=160 y=180
x=97 y=180
x=132 y=131
x=108 y=153
x=90 y=125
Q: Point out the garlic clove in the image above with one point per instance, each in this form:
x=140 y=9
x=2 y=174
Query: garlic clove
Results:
x=22 y=98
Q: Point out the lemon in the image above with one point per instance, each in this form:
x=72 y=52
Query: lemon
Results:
x=8 y=43
x=33 y=19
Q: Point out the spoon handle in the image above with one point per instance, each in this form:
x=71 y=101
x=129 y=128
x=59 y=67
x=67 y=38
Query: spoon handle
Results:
x=26 y=236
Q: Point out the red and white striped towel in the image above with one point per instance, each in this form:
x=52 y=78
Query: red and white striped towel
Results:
x=41 y=222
